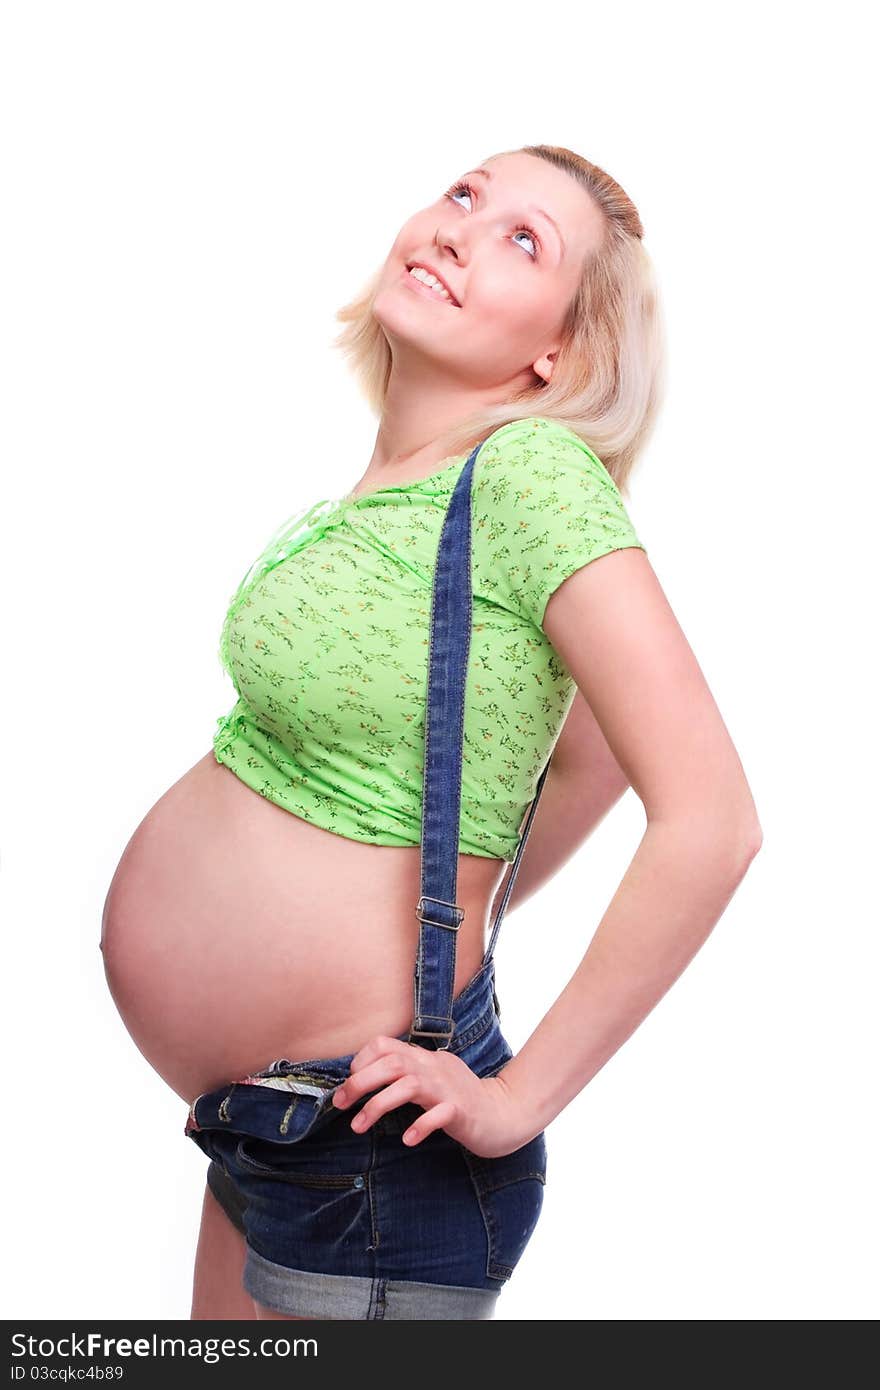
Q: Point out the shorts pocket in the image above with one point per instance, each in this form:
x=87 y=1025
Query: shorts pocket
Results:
x=264 y=1158
x=510 y=1191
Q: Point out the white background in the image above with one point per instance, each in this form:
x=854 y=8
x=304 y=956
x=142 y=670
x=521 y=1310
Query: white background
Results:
x=191 y=190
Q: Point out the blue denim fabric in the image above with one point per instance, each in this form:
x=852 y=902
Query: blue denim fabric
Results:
x=346 y=1225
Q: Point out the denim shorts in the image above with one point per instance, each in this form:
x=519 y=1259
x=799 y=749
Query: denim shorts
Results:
x=353 y=1226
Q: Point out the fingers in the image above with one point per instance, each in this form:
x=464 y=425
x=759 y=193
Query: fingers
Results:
x=402 y=1092
x=379 y=1046
x=370 y=1078
x=400 y=1074
x=438 y=1117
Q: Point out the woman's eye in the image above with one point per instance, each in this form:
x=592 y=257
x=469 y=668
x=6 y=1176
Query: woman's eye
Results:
x=460 y=189
x=524 y=231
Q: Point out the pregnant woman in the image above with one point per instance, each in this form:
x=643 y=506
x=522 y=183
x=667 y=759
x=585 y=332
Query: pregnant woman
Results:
x=302 y=957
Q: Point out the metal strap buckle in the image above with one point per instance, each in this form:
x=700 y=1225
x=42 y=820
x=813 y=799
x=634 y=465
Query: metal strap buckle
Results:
x=450 y=926
x=429 y=1033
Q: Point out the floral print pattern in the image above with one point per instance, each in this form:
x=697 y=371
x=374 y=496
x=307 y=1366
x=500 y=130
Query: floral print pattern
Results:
x=326 y=642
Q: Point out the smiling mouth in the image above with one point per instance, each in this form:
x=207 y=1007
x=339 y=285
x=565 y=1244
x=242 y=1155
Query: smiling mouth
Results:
x=427 y=282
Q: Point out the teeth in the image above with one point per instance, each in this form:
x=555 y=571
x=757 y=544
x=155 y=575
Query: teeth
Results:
x=428 y=279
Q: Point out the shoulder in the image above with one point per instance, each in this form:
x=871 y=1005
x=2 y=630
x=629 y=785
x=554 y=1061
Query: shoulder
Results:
x=544 y=504
x=542 y=456
x=536 y=470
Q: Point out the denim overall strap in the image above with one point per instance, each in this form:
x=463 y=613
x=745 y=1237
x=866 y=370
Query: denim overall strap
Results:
x=514 y=868
x=439 y=914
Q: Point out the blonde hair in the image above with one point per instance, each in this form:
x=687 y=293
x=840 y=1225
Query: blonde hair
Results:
x=608 y=379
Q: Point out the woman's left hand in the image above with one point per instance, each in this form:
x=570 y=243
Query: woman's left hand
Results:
x=479 y=1112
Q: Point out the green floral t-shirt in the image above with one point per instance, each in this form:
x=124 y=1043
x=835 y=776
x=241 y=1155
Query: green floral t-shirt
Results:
x=326 y=642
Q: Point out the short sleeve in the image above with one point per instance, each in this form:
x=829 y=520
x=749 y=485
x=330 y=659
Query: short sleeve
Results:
x=543 y=505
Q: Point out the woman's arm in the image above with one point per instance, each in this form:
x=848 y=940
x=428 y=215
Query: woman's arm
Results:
x=613 y=627
x=584 y=782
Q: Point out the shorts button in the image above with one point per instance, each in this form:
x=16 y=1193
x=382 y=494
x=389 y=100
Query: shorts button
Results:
x=358 y=1182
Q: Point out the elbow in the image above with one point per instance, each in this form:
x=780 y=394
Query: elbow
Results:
x=745 y=841
x=718 y=835
x=738 y=826
x=714 y=819
x=751 y=835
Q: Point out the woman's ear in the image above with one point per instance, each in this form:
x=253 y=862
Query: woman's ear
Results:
x=543 y=367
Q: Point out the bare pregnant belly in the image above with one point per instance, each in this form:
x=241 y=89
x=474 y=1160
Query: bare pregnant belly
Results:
x=235 y=933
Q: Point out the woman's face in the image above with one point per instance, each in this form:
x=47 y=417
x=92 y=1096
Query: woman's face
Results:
x=512 y=271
